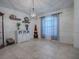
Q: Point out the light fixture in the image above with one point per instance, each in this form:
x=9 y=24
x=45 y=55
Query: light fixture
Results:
x=33 y=14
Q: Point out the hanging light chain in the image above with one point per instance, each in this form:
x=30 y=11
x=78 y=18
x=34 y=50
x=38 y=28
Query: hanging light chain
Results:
x=33 y=10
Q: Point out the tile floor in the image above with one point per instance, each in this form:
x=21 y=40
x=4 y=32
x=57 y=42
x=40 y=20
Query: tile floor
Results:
x=39 y=49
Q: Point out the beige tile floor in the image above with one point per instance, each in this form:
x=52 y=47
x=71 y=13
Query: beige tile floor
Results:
x=39 y=49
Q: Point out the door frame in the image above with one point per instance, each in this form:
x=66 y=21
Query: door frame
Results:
x=3 y=44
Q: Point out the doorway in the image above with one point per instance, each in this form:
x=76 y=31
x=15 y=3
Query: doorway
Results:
x=1 y=30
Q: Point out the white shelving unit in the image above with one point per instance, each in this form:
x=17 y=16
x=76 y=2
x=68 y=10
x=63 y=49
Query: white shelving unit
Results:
x=22 y=36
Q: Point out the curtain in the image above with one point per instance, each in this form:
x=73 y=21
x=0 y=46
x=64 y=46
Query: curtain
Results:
x=50 y=26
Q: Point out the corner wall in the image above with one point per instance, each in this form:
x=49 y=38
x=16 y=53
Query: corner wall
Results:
x=66 y=25
x=76 y=23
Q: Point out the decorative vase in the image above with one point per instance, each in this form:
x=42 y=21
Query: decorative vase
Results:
x=27 y=28
x=35 y=32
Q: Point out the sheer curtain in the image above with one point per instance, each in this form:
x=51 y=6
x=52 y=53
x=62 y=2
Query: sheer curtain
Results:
x=50 y=26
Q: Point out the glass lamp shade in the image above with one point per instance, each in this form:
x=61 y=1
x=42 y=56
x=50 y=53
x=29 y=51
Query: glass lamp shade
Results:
x=33 y=15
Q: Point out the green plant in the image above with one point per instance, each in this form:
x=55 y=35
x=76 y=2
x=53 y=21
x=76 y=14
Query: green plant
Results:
x=18 y=25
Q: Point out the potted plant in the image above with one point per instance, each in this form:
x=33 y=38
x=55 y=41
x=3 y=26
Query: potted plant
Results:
x=18 y=26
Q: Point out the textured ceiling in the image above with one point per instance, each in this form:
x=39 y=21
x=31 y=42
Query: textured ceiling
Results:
x=41 y=6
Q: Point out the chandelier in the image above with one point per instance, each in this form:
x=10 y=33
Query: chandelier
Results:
x=33 y=14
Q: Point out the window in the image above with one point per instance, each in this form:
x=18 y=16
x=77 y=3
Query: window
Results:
x=49 y=26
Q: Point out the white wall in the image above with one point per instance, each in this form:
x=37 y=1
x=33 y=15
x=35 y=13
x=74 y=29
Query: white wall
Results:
x=38 y=23
x=76 y=23
x=66 y=25
x=10 y=25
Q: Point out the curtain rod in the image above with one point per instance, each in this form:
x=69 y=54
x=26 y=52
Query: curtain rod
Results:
x=51 y=14
x=57 y=13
